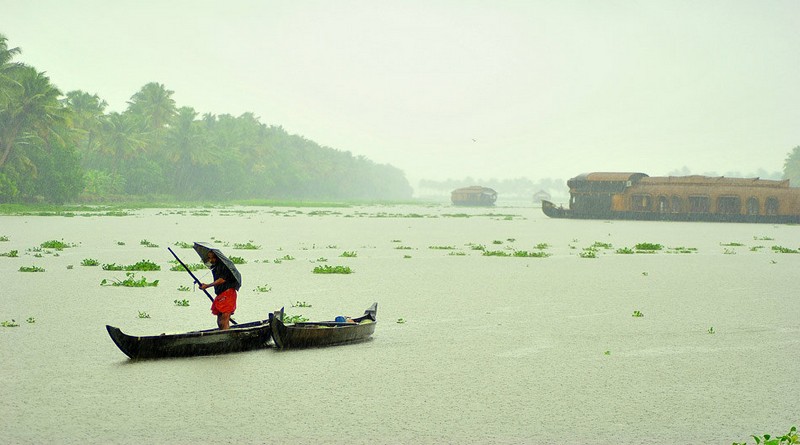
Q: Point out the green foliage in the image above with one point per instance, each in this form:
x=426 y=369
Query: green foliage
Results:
x=401 y=320
x=349 y=254
x=146 y=243
x=176 y=266
x=142 y=266
x=497 y=241
x=542 y=246
x=781 y=249
x=495 y=253
x=649 y=246
x=732 y=244
x=289 y=319
x=183 y=245
x=90 y=262
x=588 y=253
x=327 y=269
x=31 y=269
x=625 y=251
x=10 y=254
x=763 y=238
x=143 y=314
x=442 y=247
x=30 y=320
x=601 y=245
x=3 y=238
x=457 y=253
x=637 y=314
x=711 y=330
x=403 y=248
x=183 y=288
x=301 y=304
x=239 y=260
x=57 y=245
x=182 y=303
x=9 y=324
x=130 y=281
x=791 y=167
x=247 y=246
x=264 y=288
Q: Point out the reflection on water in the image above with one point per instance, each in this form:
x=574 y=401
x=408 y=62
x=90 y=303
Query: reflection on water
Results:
x=493 y=350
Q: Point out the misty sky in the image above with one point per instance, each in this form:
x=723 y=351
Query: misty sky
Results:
x=545 y=88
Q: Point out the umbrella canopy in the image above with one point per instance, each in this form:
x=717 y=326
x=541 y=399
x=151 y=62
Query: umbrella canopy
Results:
x=202 y=249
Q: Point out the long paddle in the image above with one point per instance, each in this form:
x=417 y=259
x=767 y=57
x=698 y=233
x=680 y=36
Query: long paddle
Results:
x=194 y=277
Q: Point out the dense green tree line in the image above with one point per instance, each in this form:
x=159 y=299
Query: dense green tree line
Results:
x=59 y=147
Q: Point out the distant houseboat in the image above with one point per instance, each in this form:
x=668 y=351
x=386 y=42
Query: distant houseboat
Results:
x=678 y=198
x=473 y=196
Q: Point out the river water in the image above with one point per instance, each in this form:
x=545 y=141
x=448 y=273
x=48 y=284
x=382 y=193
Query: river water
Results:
x=493 y=349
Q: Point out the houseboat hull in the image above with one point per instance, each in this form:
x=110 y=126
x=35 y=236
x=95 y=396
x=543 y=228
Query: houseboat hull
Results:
x=636 y=196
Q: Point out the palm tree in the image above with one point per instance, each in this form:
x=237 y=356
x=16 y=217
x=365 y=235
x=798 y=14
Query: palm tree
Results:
x=121 y=139
x=87 y=110
x=7 y=68
x=31 y=110
x=154 y=105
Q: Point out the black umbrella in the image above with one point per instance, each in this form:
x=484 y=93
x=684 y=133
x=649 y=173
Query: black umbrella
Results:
x=202 y=249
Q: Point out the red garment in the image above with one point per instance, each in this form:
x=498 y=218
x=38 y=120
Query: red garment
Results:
x=224 y=303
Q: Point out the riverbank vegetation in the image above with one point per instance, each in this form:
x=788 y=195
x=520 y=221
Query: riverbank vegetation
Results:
x=60 y=147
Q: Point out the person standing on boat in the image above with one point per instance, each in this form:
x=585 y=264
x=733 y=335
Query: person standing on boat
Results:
x=225 y=286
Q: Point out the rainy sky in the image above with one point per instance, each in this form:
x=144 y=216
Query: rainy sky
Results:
x=449 y=89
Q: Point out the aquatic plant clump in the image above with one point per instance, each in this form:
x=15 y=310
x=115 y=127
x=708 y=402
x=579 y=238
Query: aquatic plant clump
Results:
x=327 y=269
x=31 y=269
x=176 y=267
x=349 y=254
x=790 y=438
x=90 y=262
x=146 y=243
x=182 y=303
x=237 y=260
x=57 y=245
x=130 y=281
x=10 y=254
x=142 y=266
x=781 y=249
x=246 y=246
x=648 y=246
x=9 y=324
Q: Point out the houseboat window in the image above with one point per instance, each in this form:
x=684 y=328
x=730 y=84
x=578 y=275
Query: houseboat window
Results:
x=677 y=204
x=771 y=206
x=640 y=202
x=729 y=205
x=699 y=204
x=752 y=206
x=663 y=204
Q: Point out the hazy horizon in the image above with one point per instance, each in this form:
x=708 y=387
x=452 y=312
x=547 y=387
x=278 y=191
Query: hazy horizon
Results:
x=450 y=89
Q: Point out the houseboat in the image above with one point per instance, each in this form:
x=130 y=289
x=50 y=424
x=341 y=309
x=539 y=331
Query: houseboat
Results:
x=638 y=196
x=473 y=196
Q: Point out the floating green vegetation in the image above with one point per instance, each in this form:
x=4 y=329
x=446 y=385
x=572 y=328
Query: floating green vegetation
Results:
x=177 y=267
x=497 y=241
x=401 y=320
x=143 y=314
x=625 y=251
x=790 y=438
x=10 y=254
x=511 y=240
x=262 y=288
x=406 y=257
x=90 y=262
x=331 y=246
x=322 y=260
x=146 y=243
x=3 y=238
x=781 y=249
x=69 y=266
x=333 y=269
x=607 y=353
x=30 y=320
x=288 y=319
x=682 y=249
x=403 y=248
x=459 y=253
x=763 y=238
x=601 y=245
x=644 y=274
x=474 y=246
x=183 y=288
x=495 y=253
x=130 y=281
x=442 y=247
x=542 y=246
x=57 y=245
x=120 y=243
x=246 y=246
x=711 y=330
x=300 y=304
x=396 y=241
x=9 y=324
x=588 y=253
x=756 y=248
x=183 y=244
x=238 y=260
x=731 y=244
x=526 y=254
x=455 y=215
x=637 y=314
x=182 y=303
x=31 y=269
x=649 y=246
x=349 y=254
x=727 y=251
x=286 y=257
x=142 y=266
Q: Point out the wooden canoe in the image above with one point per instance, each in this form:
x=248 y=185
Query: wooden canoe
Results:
x=322 y=333
x=241 y=337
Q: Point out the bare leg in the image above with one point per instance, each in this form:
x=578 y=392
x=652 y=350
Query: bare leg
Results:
x=224 y=320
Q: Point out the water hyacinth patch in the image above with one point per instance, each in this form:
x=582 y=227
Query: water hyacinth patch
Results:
x=349 y=254
x=31 y=269
x=10 y=254
x=264 y=288
x=289 y=319
x=648 y=246
x=9 y=324
x=327 y=269
x=143 y=314
x=637 y=314
x=183 y=245
x=3 y=238
x=183 y=288
x=182 y=303
x=177 y=267
x=300 y=304
x=90 y=262
x=57 y=245
x=146 y=243
x=130 y=281
x=237 y=260
x=781 y=249
x=246 y=246
x=442 y=247
x=142 y=266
